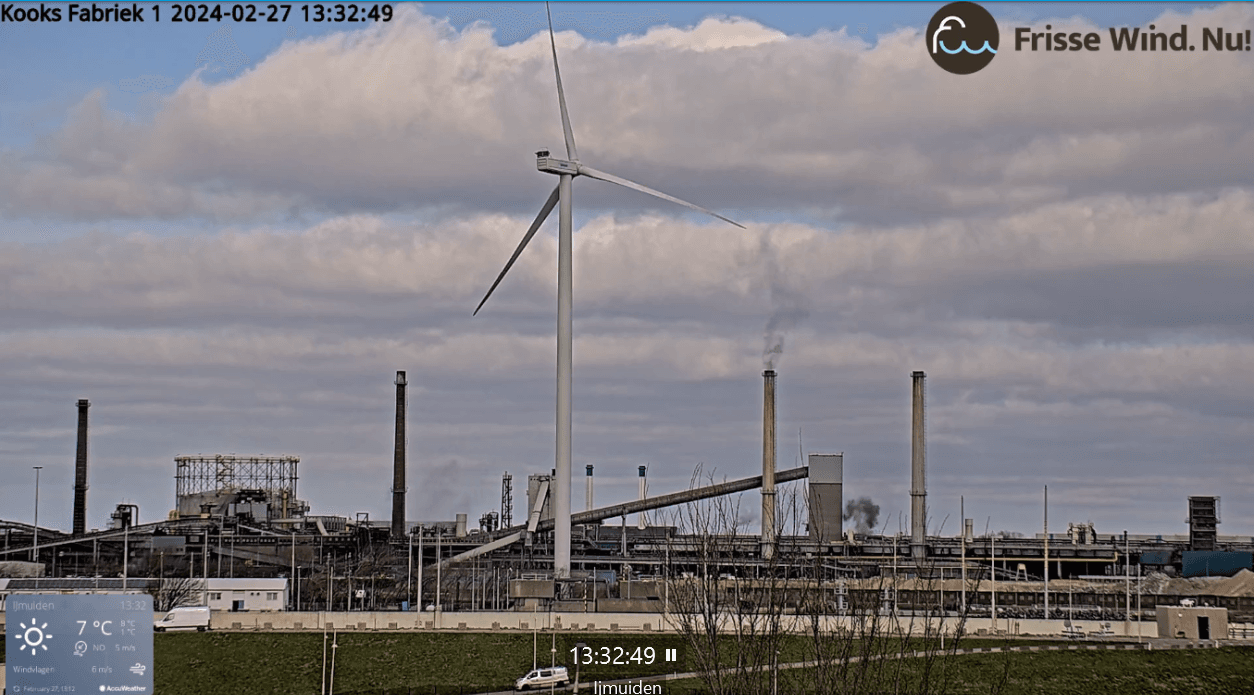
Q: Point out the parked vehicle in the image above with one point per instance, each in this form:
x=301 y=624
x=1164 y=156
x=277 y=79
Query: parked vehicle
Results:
x=185 y=618
x=543 y=678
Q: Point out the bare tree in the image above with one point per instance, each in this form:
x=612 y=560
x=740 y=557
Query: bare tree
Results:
x=174 y=592
x=739 y=611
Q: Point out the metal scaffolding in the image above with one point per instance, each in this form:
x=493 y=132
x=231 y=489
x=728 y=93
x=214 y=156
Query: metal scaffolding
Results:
x=231 y=473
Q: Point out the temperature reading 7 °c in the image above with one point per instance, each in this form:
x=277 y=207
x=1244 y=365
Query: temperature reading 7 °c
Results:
x=104 y=626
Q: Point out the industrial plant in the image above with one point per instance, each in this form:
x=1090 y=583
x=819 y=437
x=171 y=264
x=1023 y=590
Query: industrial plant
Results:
x=238 y=517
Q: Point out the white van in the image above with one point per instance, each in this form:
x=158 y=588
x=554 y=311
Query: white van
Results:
x=184 y=618
x=543 y=678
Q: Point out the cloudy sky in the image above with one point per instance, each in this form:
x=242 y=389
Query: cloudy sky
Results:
x=229 y=238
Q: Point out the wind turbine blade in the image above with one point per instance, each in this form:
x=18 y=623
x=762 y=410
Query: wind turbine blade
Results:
x=544 y=213
x=594 y=174
x=571 y=152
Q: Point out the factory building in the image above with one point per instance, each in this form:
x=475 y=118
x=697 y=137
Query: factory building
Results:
x=237 y=521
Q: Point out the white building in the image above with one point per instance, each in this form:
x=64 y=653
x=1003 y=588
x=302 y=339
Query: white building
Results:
x=246 y=594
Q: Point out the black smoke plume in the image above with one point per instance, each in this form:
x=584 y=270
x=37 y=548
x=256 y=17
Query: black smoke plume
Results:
x=864 y=513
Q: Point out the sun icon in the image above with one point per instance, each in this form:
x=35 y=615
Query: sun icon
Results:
x=33 y=637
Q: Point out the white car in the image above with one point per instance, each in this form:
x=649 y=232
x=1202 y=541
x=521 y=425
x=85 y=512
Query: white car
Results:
x=186 y=618
x=543 y=678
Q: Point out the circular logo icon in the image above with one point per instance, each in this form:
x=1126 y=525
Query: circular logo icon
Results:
x=962 y=37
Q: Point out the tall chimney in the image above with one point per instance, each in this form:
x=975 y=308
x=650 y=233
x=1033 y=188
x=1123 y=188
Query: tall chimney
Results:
x=588 y=490
x=918 y=474
x=640 y=520
x=80 y=471
x=768 y=464
x=398 y=462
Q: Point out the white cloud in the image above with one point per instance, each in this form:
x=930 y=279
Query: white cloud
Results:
x=411 y=113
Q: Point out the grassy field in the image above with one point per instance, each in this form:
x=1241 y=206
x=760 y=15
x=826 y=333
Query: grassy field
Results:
x=218 y=663
x=1209 y=671
x=1177 y=672
x=451 y=663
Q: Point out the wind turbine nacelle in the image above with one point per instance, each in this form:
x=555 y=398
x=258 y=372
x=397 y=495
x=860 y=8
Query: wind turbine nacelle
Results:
x=553 y=165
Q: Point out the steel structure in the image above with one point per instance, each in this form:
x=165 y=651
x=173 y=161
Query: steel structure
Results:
x=1203 y=522
x=231 y=473
x=507 y=500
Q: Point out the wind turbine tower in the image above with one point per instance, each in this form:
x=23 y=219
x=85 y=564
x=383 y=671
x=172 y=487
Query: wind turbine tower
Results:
x=567 y=169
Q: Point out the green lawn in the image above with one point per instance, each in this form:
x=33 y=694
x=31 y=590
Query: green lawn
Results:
x=1176 y=672
x=281 y=663
x=219 y=663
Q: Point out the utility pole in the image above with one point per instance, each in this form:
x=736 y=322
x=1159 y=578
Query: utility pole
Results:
x=34 y=551
x=1127 y=584
x=992 y=552
x=962 y=512
x=1047 y=552
x=126 y=553
x=439 y=565
x=1138 y=602
x=552 y=652
x=409 y=576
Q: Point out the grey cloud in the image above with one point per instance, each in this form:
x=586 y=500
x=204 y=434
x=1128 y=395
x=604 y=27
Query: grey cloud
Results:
x=1067 y=271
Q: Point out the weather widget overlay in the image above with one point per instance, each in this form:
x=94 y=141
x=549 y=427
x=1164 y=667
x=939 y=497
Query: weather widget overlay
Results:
x=83 y=643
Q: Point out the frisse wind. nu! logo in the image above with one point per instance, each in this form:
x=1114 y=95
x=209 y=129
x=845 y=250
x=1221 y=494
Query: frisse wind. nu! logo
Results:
x=962 y=37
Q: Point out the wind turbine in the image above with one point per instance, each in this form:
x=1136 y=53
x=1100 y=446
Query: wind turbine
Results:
x=567 y=169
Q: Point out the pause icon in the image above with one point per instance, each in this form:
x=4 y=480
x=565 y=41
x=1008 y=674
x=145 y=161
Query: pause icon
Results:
x=672 y=655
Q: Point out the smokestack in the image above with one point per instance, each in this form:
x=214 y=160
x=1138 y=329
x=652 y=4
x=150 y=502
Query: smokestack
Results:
x=398 y=462
x=80 y=471
x=918 y=477
x=588 y=490
x=640 y=520
x=768 y=463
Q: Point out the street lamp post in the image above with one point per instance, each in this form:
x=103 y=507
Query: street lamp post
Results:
x=552 y=654
x=579 y=647
x=34 y=551
x=992 y=557
x=1127 y=584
